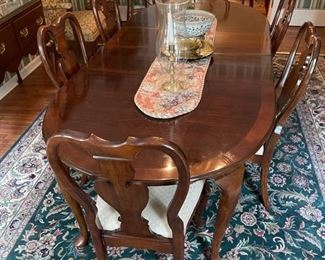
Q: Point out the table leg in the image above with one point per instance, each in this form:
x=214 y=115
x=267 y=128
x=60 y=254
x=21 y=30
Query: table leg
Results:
x=266 y=5
x=82 y=239
x=198 y=217
x=230 y=191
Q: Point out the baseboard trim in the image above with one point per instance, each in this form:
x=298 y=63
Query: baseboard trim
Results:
x=24 y=72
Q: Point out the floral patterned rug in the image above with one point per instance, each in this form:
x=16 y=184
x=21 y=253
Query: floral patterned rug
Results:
x=35 y=222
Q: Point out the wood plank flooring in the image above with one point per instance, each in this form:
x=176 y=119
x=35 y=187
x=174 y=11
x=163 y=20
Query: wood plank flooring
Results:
x=22 y=105
x=20 y=108
x=291 y=35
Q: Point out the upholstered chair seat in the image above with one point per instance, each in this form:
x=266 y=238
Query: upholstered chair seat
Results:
x=96 y=24
x=88 y=25
x=54 y=9
x=155 y=211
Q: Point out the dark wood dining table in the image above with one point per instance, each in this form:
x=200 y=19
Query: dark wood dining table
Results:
x=231 y=122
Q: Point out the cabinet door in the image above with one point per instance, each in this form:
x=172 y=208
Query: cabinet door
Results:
x=26 y=29
x=8 y=44
x=9 y=51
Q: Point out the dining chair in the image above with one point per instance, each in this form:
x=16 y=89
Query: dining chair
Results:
x=59 y=61
x=132 y=10
x=128 y=211
x=97 y=24
x=112 y=18
x=266 y=6
x=289 y=89
x=280 y=23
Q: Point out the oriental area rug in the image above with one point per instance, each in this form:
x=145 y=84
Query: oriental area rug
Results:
x=36 y=223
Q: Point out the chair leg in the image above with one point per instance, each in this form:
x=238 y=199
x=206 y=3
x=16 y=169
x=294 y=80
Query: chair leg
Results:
x=242 y=2
x=84 y=179
x=230 y=191
x=83 y=237
x=198 y=217
x=129 y=9
x=266 y=160
x=99 y=244
x=266 y=5
x=178 y=246
x=251 y=3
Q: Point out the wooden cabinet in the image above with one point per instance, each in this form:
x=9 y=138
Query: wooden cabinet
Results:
x=8 y=47
x=18 y=30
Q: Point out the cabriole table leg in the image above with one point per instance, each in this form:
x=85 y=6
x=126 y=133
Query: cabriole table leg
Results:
x=230 y=191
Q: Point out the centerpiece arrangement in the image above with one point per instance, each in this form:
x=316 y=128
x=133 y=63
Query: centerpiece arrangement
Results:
x=180 y=39
x=174 y=82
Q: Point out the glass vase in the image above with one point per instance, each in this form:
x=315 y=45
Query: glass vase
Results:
x=170 y=43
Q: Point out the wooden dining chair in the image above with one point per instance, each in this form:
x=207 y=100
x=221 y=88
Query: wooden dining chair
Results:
x=280 y=23
x=97 y=24
x=132 y=10
x=112 y=18
x=59 y=61
x=289 y=88
x=127 y=211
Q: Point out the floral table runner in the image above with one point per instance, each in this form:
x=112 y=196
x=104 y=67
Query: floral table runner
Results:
x=155 y=101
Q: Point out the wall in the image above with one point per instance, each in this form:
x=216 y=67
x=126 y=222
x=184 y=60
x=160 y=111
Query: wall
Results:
x=306 y=10
x=311 y=4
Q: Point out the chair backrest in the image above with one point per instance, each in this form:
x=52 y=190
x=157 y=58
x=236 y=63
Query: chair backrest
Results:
x=110 y=10
x=281 y=23
x=298 y=71
x=131 y=4
x=59 y=61
x=115 y=183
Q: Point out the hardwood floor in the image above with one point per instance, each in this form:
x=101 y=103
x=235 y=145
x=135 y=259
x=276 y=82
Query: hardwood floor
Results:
x=20 y=108
x=22 y=105
x=291 y=35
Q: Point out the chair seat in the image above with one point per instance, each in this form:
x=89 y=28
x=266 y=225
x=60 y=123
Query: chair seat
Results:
x=88 y=25
x=156 y=210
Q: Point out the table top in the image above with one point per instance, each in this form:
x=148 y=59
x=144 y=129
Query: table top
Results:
x=228 y=126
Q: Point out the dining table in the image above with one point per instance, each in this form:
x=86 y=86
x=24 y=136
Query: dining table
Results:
x=231 y=122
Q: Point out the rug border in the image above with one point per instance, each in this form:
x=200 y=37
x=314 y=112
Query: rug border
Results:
x=317 y=161
x=22 y=135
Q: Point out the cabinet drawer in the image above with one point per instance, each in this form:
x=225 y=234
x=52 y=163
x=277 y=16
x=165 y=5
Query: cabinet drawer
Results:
x=27 y=25
x=8 y=44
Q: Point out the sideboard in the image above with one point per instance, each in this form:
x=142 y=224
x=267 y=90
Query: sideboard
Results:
x=19 y=21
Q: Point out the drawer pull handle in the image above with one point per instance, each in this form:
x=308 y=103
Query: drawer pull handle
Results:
x=23 y=32
x=39 y=21
x=2 y=48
